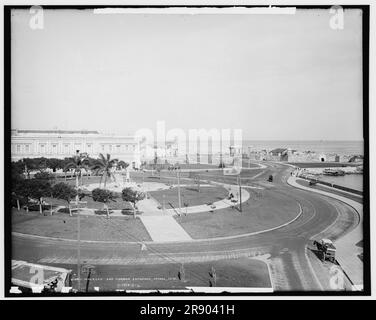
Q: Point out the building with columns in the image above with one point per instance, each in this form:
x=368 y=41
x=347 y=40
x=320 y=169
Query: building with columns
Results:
x=64 y=143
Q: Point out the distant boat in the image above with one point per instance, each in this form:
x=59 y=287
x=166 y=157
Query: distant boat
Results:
x=333 y=172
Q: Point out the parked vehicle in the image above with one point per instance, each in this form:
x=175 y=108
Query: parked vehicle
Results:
x=327 y=249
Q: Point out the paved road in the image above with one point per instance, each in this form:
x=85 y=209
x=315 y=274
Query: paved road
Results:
x=291 y=267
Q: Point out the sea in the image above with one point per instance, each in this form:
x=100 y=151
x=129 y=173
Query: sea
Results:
x=354 y=181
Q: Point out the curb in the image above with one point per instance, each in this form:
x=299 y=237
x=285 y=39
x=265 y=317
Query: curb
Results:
x=329 y=195
x=30 y=236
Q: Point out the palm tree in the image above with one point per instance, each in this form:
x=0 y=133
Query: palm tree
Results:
x=122 y=165
x=78 y=164
x=104 y=166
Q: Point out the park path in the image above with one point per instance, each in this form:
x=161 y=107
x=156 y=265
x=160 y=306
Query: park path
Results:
x=149 y=207
x=160 y=225
x=164 y=228
x=217 y=205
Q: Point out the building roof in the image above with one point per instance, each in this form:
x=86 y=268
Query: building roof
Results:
x=278 y=150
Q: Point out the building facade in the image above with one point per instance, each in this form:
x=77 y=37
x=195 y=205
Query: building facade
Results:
x=63 y=143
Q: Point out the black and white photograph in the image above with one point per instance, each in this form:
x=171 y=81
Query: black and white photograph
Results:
x=186 y=150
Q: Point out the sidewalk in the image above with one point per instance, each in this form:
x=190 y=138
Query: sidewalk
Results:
x=348 y=252
x=164 y=228
x=160 y=225
x=217 y=205
x=149 y=207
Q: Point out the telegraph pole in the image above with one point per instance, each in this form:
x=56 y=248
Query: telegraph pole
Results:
x=240 y=192
x=78 y=250
x=179 y=196
x=78 y=234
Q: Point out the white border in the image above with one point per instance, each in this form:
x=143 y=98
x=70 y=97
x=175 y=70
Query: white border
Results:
x=372 y=127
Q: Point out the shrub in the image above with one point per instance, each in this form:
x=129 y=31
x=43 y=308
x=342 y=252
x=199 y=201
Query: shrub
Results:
x=103 y=212
x=43 y=175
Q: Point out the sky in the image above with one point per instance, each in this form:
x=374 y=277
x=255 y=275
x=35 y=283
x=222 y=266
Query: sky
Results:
x=275 y=77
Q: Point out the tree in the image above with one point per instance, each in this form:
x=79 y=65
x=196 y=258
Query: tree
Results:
x=28 y=166
x=78 y=164
x=103 y=166
x=54 y=164
x=65 y=192
x=41 y=163
x=17 y=168
x=37 y=189
x=17 y=190
x=122 y=165
x=43 y=175
x=104 y=196
x=24 y=191
x=132 y=196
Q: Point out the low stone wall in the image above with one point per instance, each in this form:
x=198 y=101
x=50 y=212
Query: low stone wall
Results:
x=333 y=185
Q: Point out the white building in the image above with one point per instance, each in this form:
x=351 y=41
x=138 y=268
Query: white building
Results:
x=64 y=143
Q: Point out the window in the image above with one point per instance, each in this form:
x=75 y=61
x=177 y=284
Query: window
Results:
x=27 y=148
x=18 y=148
x=118 y=148
x=102 y=147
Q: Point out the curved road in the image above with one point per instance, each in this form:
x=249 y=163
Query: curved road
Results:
x=292 y=266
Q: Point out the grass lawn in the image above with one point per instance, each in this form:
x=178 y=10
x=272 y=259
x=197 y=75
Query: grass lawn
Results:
x=265 y=209
x=218 y=176
x=61 y=225
x=186 y=177
x=244 y=272
x=117 y=204
x=85 y=180
x=197 y=166
x=190 y=195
